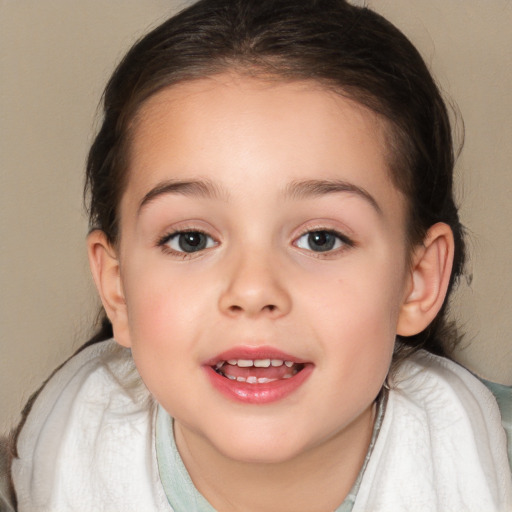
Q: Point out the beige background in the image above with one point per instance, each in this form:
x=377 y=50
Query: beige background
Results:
x=55 y=57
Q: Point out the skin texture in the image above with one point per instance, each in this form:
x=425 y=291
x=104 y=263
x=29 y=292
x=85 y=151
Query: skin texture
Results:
x=260 y=283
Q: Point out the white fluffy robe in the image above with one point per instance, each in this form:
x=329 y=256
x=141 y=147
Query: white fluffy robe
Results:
x=441 y=446
x=88 y=444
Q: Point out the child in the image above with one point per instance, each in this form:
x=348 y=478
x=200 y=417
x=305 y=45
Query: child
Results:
x=274 y=238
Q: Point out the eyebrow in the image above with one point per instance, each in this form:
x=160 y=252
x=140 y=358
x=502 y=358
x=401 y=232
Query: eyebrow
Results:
x=295 y=190
x=314 y=188
x=198 y=188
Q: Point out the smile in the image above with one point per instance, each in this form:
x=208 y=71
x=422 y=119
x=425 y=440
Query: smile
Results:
x=257 y=378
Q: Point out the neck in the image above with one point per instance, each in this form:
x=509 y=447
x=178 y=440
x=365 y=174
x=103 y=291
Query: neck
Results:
x=317 y=480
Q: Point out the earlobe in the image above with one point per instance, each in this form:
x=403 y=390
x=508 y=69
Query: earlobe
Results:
x=104 y=263
x=428 y=283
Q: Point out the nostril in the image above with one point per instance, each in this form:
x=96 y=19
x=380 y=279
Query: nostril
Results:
x=238 y=309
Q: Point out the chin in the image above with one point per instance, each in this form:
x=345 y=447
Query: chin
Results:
x=259 y=447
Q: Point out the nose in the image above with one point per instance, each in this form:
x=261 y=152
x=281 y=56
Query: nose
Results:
x=254 y=287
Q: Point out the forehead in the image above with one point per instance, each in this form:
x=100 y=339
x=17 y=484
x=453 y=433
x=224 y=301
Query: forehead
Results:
x=240 y=129
x=247 y=100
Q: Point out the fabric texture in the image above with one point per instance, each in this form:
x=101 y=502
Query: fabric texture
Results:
x=441 y=445
x=5 y=499
x=503 y=395
x=89 y=443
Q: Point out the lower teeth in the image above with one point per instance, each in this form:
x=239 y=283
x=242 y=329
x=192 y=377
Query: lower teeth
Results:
x=256 y=380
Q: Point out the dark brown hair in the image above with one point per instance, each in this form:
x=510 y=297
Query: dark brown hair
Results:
x=349 y=49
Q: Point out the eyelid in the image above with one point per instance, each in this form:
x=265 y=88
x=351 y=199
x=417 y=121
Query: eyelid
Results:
x=343 y=238
x=175 y=232
x=329 y=225
x=163 y=242
x=191 y=225
x=347 y=241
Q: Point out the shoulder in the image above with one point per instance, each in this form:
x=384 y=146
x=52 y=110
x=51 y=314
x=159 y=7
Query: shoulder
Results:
x=432 y=380
x=442 y=435
x=98 y=376
x=97 y=381
x=447 y=394
x=503 y=395
x=88 y=436
x=428 y=378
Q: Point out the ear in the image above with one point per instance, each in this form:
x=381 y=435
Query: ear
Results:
x=104 y=263
x=428 y=281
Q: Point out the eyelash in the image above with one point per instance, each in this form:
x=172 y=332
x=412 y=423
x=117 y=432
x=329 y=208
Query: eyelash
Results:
x=164 y=241
x=342 y=240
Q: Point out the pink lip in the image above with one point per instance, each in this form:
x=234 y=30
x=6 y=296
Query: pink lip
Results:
x=256 y=393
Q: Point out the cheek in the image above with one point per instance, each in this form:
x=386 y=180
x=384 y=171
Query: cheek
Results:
x=362 y=340
x=363 y=295
x=164 y=331
x=355 y=315
x=163 y=308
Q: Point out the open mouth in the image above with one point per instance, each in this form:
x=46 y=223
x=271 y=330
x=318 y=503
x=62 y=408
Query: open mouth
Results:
x=257 y=376
x=257 y=371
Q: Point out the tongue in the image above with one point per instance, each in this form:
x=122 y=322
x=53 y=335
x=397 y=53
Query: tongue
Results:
x=272 y=372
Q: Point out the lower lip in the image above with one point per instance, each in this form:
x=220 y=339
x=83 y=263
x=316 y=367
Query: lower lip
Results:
x=258 y=393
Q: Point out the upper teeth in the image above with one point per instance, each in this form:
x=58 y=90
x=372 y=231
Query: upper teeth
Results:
x=259 y=363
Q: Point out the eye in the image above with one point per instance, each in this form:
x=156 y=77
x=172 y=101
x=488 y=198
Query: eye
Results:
x=188 y=241
x=322 y=241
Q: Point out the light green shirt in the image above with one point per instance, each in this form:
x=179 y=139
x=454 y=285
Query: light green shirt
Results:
x=503 y=395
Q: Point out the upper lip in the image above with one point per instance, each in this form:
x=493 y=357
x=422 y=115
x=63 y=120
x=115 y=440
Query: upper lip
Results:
x=253 y=353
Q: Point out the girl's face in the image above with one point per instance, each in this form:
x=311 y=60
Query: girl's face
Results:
x=262 y=263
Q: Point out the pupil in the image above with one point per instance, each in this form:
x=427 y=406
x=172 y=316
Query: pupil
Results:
x=191 y=242
x=321 y=241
